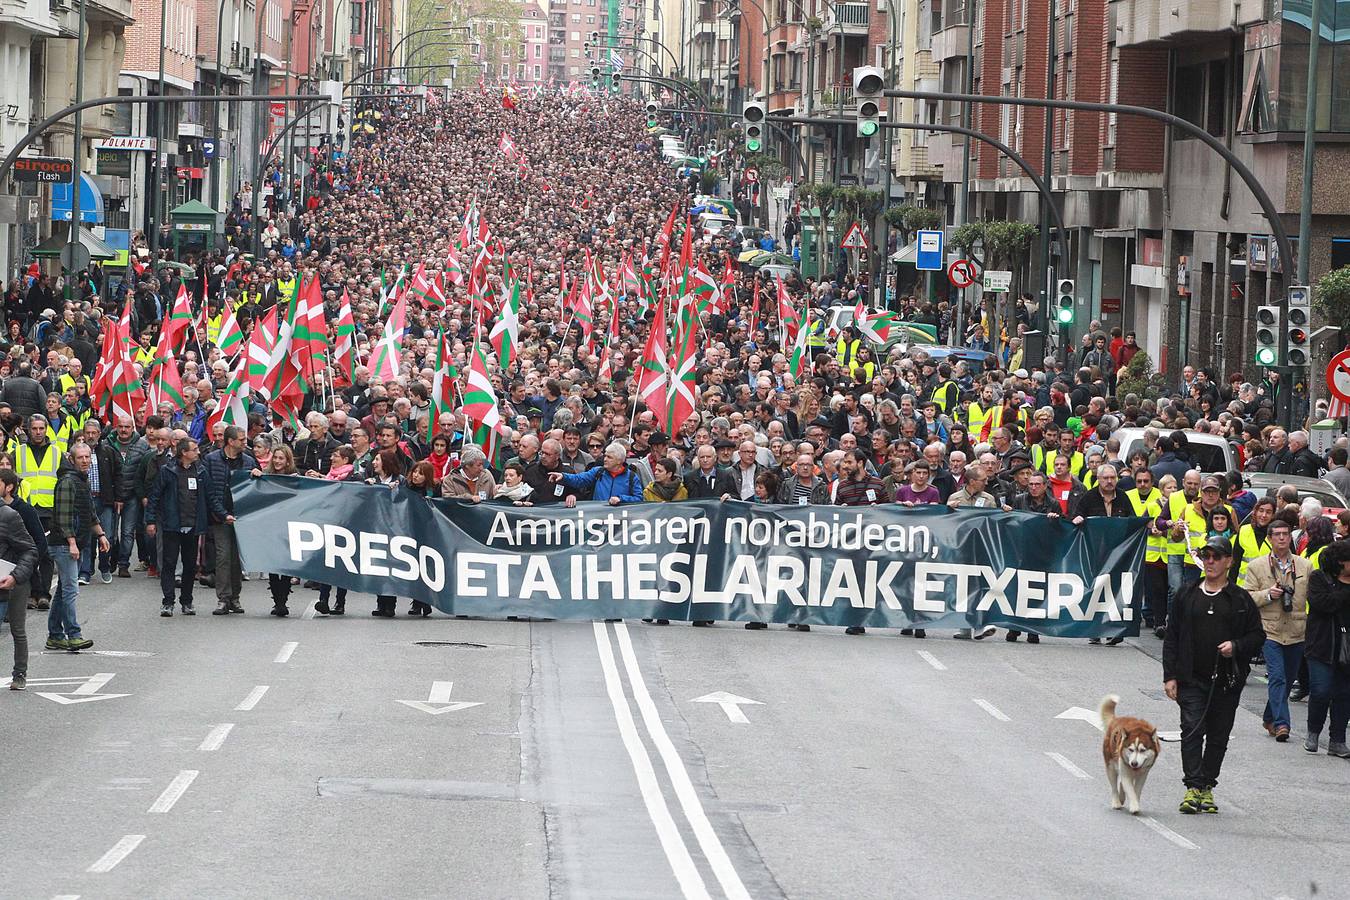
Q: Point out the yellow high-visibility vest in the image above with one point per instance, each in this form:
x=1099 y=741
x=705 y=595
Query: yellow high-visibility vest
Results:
x=1150 y=507
x=1249 y=548
x=1075 y=463
x=38 y=477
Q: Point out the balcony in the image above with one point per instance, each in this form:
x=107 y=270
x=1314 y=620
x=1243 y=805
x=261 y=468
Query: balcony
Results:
x=851 y=18
x=1158 y=23
x=836 y=96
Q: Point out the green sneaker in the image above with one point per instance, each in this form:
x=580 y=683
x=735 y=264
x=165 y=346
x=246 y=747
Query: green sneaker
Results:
x=1207 y=804
x=77 y=644
x=57 y=644
x=1190 y=804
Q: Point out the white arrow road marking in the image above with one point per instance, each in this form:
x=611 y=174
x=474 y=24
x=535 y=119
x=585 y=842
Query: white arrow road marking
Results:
x=284 y=654
x=1087 y=715
x=176 y=789
x=252 y=699
x=119 y=851
x=1168 y=833
x=730 y=703
x=215 y=737
x=1067 y=764
x=86 y=690
x=438 y=701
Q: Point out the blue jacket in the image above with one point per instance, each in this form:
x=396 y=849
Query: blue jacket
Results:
x=220 y=498
x=627 y=486
x=163 y=509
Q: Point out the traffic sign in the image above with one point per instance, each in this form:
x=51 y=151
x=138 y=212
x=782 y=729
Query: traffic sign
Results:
x=208 y=148
x=928 y=253
x=997 y=281
x=751 y=174
x=1338 y=376
x=854 y=238
x=962 y=273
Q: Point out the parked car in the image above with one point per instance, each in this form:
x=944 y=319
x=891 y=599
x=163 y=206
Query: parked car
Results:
x=1268 y=483
x=840 y=316
x=1209 y=452
x=715 y=224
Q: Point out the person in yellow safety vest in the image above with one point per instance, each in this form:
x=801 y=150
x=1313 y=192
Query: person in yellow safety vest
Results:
x=1251 y=538
x=1065 y=447
x=847 y=347
x=1174 y=522
x=145 y=354
x=1146 y=503
x=74 y=377
x=37 y=462
x=947 y=394
x=73 y=416
x=815 y=334
x=1195 y=523
x=979 y=410
x=864 y=363
x=1092 y=459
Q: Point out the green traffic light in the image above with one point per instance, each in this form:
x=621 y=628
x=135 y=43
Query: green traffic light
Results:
x=867 y=128
x=1265 y=356
x=752 y=144
x=1064 y=315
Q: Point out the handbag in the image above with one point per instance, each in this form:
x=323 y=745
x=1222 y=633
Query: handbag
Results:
x=1341 y=656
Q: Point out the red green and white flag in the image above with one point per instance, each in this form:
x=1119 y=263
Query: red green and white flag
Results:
x=505 y=335
x=165 y=383
x=507 y=146
x=345 y=358
x=386 y=355
x=684 y=378
x=654 y=378
x=480 y=400
x=876 y=327
x=801 y=350
x=230 y=340
x=232 y=406
x=115 y=390
x=454 y=269
x=260 y=344
x=787 y=317
x=443 y=384
x=173 y=335
x=606 y=371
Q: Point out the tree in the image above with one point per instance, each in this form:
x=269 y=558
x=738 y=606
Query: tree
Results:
x=1331 y=298
x=1136 y=377
x=911 y=219
x=495 y=27
x=1003 y=246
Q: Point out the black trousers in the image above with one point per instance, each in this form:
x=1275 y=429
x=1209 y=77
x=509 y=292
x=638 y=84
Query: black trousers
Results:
x=1155 y=595
x=1206 y=723
x=175 y=545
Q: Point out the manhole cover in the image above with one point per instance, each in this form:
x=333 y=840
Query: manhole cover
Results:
x=449 y=644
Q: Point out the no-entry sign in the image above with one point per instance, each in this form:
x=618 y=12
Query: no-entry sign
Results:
x=962 y=273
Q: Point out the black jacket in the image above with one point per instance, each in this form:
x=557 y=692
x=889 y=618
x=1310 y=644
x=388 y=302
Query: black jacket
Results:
x=316 y=455
x=16 y=545
x=24 y=396
x=543 y=491
x=1091 y=504
x=1244 y=630
x=1045 y=506
x=1305 y=463
x=219 y=497
x=1328 y=611
x=130 y=458
x=109 y=474
x=164 y=509
x=723 y=483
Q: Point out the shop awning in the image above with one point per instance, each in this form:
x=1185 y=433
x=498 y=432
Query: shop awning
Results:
x=52 y=246
x=907 y=254
x=91 y=202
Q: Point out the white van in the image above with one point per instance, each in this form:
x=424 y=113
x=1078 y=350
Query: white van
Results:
x=1208 y=452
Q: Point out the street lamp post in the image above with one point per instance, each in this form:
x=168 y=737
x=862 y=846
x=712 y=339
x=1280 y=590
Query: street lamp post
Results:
x=156 y=176
x=74 y=235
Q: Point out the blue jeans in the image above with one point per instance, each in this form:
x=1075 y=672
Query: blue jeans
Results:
x=61 y=621
x=131 y=527
x=1281 y=666
x=107 y=517
x=1329 y=689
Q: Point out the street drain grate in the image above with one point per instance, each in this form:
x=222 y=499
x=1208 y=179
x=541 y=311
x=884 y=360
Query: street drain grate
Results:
x=449 y=644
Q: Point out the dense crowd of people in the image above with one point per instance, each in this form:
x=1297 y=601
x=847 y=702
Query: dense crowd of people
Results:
x=553 y=190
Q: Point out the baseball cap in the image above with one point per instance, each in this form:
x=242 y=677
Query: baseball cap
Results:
x=1212 y=481
x=1020 y=373
x=658 y=437
x=1216 y=546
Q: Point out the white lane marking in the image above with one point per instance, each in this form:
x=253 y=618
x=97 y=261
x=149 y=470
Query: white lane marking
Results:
x=991 y=709
x=686 y=873
x=216 y=737
x=931 y=660
x=708 y=841
x=252 y=699
x=1168 y=833
x=284 y=654
x=309 y=611
x=119 y=851
x=40 y=788
x=730 y=703
x=176 y=789
x=1067 y=764
x=66 y=897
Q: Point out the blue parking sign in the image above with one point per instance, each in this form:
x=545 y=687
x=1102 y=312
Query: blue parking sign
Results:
x=928 y=253
x=209 y=148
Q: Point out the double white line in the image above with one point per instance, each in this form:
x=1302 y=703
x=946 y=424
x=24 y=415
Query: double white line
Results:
x=672 y=842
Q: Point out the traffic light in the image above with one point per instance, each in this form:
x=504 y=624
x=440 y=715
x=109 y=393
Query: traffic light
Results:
x=1267 y=335
x=652 y=108
x=752 y=125
x=1064 y=303
x=868 y=84
x=1297 y=325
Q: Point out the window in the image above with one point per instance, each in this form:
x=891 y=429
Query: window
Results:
x=576 y=35
x=576 y=20
x=590 y=20
x=537 y=73
x=576 y=54
x=538 y=51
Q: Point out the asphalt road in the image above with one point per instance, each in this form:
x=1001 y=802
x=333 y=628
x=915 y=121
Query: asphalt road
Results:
x=254 y=757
